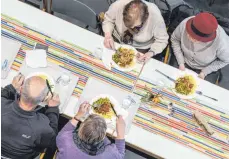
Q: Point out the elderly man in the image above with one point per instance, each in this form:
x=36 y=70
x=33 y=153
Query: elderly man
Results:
x=88 y=139
x=25 y=130
x=200 y=44
x=137 y=23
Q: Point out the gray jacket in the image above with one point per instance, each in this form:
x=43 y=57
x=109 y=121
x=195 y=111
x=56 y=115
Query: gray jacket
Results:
x=208 y=57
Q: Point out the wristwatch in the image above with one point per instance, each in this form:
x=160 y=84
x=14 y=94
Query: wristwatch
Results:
x=77 y=119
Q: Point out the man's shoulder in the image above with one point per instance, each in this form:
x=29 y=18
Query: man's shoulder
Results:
x=40 y=123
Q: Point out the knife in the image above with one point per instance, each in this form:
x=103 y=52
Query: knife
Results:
x=49 y=87
x=114 y=110
x=171 y=79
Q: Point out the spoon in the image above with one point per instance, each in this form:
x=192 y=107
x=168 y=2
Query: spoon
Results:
x=201 y=93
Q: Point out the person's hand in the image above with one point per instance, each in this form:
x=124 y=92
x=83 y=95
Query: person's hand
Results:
x=182 y=67
x=108 y=41
x=148 y=56
x=120 y=127
x=140 y=57
x=201 y=75
x=54 y=101
x=18 y=81
x=145 y=57
x=83 y=110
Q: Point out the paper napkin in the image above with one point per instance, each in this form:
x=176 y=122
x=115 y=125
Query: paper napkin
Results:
x=36 y=58
x=107 y=58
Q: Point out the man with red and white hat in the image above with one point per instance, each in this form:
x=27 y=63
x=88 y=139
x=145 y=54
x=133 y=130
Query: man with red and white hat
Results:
x=200 y=44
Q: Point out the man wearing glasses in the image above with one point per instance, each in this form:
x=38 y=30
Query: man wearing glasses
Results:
x=25 y=130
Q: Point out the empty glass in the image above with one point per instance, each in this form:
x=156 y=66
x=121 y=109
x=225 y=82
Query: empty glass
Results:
x=98 y=53
x=127 y=102
x=64 y=79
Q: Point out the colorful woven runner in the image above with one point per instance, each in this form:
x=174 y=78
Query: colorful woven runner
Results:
x=181 y=126
x=79 y=61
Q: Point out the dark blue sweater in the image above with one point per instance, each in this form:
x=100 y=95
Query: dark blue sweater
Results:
x=25 y=133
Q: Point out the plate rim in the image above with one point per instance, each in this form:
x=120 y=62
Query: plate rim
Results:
x=129 y=68
x=37 y=73
x=181 y=74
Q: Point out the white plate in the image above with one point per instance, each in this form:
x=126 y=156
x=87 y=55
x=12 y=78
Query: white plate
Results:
x=50 y=79
x=117 y=107
x=128 y=69
x=181 y=74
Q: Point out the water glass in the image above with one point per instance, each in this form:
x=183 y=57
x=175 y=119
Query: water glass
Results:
x=64 y=79
x=98 y=53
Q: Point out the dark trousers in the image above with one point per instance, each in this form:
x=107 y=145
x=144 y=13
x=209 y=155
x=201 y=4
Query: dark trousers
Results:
x=212 y=77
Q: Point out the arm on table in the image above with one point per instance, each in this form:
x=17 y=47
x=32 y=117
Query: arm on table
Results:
x=120 y=140
x=160 y=38
x=71 y=125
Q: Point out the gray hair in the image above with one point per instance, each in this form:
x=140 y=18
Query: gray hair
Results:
x=27 y=96
x=93 y=129
x=142 y=10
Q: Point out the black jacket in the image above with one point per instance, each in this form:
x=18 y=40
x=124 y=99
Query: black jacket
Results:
x=25 y=133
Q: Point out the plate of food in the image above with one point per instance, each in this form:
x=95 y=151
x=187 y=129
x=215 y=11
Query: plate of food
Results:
x=124 y=59
x=102 y=105
x=44 y=76
x=186 y=85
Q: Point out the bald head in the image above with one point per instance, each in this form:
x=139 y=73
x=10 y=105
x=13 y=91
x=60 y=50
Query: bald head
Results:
x=135 y=12
x=34 y=91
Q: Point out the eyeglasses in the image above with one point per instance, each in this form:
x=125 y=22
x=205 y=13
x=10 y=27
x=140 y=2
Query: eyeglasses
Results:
x=138 y=27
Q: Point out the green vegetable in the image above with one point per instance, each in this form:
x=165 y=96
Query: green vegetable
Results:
x=101 y=101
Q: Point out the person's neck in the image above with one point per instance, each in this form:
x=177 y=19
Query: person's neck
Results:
x=25 y=106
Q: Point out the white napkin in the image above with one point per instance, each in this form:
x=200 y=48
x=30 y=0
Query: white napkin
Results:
x=107 y=57
x=36 y=58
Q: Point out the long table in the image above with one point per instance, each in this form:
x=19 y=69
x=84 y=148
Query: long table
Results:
x=66 y=34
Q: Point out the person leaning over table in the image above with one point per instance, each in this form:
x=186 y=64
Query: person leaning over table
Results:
x=87 y=140
x=137 y=23
x=202 y=45
x=26 y=130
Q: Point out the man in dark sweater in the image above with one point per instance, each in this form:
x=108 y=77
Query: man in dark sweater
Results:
x=26 y=130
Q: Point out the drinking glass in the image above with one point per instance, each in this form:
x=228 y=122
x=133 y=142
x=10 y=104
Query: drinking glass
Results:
x=98 y=53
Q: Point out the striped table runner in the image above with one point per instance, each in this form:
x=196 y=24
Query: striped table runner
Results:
x=181 y=127
x=79 y=61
